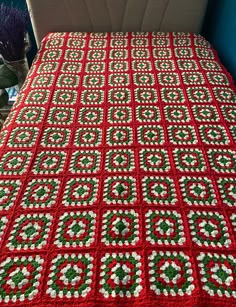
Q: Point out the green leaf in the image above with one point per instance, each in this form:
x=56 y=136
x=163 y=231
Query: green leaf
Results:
x=7 y=77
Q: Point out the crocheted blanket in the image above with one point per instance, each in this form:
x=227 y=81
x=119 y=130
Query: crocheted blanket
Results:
x=117 y=175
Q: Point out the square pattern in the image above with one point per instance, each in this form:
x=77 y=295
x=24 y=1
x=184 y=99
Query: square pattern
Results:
x=75 y=229
x=64 y=97
x=119 y=136
x=219 y=284
x=90 y=116
x=64 y=279
x=182 y=135
x=164 y=227
x=118 y=66
x=198 y=191
x=30 y=232
x=183 y=52
x=199 y=94
x=159 y=190
x=168 y=79
x=30 y=115
x=222 y=160
x=40 y=193
x=120 y=160
x=148 y=114
x=67 y=81
x=9 y=190
x=15 y=162
x=193 y=78
x=93 y=81
x=189 y=160
x=146 y=95
x=209 y=229
x=24 y=274
x=120 y=228
x=229 y=113
x=88 y=137
x=43 y=81
x=154 y=160
x=117 y=267
x=119 y=115
x=163 y=53
x=61 y=116
x=49 y=163
x=214 y=135
x=205 y=113
x=172 y=95
x=55 y=137
x=168 y=269
x=117 y=175
x=120 y=190
x=119 y=80
x=80 y=192
x=151 y=135
x=22 y=137
x=177 y=114
x=85 y=162
x=71 y=67
x=92 y=97
x=119 y=96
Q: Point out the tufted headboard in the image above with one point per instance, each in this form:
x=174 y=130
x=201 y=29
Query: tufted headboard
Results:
x=115 y=15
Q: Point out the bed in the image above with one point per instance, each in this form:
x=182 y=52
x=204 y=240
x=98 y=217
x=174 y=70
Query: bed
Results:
x=117 y=175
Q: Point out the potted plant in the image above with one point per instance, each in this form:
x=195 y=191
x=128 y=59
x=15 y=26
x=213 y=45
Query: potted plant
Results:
x=13 y=40
x=7 y=79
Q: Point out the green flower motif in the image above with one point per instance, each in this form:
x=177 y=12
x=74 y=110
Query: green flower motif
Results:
x=61 y=116
x=171 y=274
x=40 y=193
x=80 y=192
x=70 y=276
x=198 y=191
x=222 y=160
x=120 y=160
x=164 y=227
x=189 y=160
x=227 y=187
x=209 y=229
x=120 y=228
x=20 y=280
x=217 y=274
x=121 y=275
x=159 y=190
x=120 y=190
x=30 y=115
x=30 y=232
x=214 y=135
x=15 y=163
x=76 y=229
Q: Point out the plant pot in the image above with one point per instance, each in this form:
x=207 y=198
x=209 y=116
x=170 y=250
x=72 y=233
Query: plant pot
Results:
x=3 y=98
x=20 y=68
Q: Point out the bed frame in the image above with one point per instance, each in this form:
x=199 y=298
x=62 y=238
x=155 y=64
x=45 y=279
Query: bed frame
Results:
x=115 y=15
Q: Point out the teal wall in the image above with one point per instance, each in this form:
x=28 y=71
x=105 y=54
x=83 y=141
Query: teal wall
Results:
x=220 y=29
x=21 y=4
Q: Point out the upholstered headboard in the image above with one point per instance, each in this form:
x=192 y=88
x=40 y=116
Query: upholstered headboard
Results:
x=115 y=15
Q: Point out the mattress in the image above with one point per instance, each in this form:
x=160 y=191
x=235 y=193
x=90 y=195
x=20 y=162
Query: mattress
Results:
x=117 y=175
